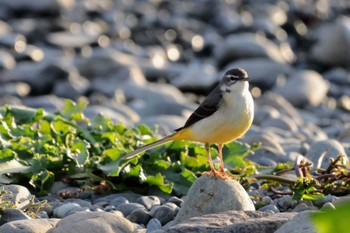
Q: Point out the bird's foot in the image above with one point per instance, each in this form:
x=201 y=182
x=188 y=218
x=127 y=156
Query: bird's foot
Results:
x=218 y=174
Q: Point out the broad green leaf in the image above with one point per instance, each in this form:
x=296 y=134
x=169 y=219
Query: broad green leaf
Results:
x=111 y=161
x=61 y=128
x=144 y=130
x=331 y=221
x=6 y=155
x=312 y=196
x=158 y=180
x=79 y=152
x=74 y=110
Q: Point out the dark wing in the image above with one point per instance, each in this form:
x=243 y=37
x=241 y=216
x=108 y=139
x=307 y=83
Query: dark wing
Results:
x=209 y=106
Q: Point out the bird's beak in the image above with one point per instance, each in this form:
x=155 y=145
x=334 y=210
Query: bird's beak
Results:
x=246 y=79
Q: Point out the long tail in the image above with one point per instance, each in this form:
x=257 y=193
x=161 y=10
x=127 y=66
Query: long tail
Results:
x=149 y=146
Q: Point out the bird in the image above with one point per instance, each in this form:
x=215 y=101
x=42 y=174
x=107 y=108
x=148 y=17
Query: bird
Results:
x=224 y=115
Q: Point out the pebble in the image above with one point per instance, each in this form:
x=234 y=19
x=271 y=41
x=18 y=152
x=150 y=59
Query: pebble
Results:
x=16 y=194
x=67 y=209
x=119 y=200
x=153 y=225
x=299 y=91
x=269 y=208
x=148 y=201
x=331 y=147
x=10 y=214
x=139 y=216
x=127 y=208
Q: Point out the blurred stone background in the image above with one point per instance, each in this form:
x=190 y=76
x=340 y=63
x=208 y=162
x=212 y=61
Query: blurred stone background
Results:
x=153 y=61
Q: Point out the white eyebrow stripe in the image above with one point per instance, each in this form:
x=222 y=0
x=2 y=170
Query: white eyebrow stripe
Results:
x=232 y=76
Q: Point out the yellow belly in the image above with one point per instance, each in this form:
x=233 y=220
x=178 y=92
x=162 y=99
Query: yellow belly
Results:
x=215 y=133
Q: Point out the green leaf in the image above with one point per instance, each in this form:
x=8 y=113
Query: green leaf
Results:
x=79 y=152
x=111 y=162
x=74 y=110
x=144 y=130
x=6 y=155
x=331 y=221
x=312 y=196
x=158 y=180
x=233 y=154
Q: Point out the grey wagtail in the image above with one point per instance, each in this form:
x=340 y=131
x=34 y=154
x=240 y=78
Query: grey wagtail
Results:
x=225 y=115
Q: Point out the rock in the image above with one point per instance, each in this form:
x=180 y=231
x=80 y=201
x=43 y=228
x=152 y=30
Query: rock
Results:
x=233 y=221
x=139 y=216
x=164 y=213
x=177 y=201
x=91 y=222
x=49 y=103
x=332 y=148
x=153 y=225
x=151 y=109
x=15 y=89
x=333 y=42
x=153 y=92
x=209 y=195
x=10 y=215
x=283 y=122
x=29 y=226
x=6 y=60
x=303 y=207
x=271 y=208
x=338 y=76
x=324 y=200
x=249 y=45
x=67 y=209
x=299 y=223
x=328 y=206
x=264 y=72
x=119 y=200
x=148 y=201
x=73 y=87
x=284 y=203
x=195 y=77
x=299 y=89
x=67 y=39
x=17 y=194
x=131 y=197
x=127 y=208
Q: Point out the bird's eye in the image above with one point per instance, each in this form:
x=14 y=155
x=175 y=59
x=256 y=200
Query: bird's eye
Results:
x=233 y=78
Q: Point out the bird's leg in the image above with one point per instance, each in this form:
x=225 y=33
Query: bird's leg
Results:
x=212 y=169
x=222 y=166
x=210 y=161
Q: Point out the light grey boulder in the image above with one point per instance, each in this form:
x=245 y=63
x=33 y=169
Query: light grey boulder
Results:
x=299 y=223
x=209 y=195
x=333 y=42
x=92 y=222
x=300 y=88
x=67 y=209
x=233 y=222
x=196 y=77
x=331 y=147
x=250 y=45
x=29 y=226
x=17 y=194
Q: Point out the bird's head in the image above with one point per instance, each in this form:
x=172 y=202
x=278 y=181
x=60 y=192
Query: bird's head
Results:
x=235 y=80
